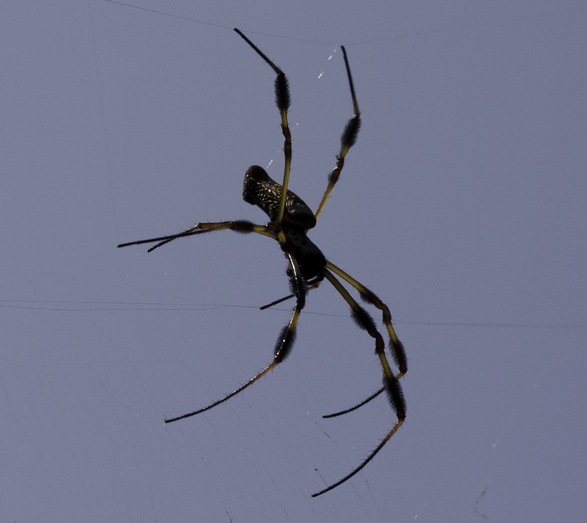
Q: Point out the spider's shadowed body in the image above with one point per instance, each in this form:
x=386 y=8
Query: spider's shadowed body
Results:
x=289 y=221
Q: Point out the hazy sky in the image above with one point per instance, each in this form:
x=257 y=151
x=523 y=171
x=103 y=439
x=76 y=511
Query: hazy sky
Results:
x=462 y=205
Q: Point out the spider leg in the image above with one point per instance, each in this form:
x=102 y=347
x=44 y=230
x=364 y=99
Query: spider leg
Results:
x=347 y=139
x=367 y=460
x=283 y=100
x=312 y=284
x=390 y=382
x=395 y=345
x=355 y=407
x=283 y=346
x=228 y=396
x=241 y=226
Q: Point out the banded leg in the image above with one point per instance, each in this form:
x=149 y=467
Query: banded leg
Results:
x=347 y=139
x=283 y=101
x=395 y=345
x=390 y=382
x=283 y=346
x=242 y=226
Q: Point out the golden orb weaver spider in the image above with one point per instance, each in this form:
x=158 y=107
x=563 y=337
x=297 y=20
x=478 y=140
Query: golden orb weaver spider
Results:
x=290 y=219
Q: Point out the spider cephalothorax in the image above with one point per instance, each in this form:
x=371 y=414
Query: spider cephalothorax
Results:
x=289 y=221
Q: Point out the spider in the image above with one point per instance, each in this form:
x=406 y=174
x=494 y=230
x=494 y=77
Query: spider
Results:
x=289 y=221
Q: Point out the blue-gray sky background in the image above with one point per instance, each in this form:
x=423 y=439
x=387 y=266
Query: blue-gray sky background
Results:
x=462 y=205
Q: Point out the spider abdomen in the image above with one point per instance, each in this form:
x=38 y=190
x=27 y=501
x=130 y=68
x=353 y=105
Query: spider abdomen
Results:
x=260 y=190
